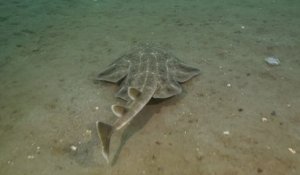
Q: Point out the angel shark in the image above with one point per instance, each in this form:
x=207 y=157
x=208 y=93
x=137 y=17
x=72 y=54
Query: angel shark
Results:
x=145 y=72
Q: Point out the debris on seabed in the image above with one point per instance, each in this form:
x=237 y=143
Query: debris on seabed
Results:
x=73 y=148
x=97 y=107
x=228 y=85
x=292 y=150
x=226 y=132
x=272 y=61
x=264 y=119
x=38 y=149
x=30 y=157
x=10 y=162
x=88 y=132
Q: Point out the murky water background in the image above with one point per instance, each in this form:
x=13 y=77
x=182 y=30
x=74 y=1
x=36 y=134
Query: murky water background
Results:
x=240 y=116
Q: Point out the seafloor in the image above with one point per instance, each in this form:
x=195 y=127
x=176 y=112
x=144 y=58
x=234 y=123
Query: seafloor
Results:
x=239 y=117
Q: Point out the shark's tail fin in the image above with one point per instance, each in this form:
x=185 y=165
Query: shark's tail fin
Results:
x=104 y=132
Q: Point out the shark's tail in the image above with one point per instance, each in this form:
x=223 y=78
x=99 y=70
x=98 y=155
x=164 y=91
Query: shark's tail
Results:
x=104 y=132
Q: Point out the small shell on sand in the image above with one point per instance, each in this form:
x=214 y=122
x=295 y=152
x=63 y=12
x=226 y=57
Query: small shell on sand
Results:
x=272 y=61
x=292 y=150
x=73 y=148
x=226 y=132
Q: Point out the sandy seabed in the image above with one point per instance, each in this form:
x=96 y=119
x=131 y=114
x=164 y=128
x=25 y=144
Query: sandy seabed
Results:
x=240 y=116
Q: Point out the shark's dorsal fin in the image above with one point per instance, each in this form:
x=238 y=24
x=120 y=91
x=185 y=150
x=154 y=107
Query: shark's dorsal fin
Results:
x=133 y=93
x=118 y=110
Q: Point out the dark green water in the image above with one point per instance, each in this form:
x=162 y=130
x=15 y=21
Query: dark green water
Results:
x=239 y=116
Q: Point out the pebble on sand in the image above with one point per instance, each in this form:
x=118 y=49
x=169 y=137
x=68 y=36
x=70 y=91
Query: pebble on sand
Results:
x=264 y=119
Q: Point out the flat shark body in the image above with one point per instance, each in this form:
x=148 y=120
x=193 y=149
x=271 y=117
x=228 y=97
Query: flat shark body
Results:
x=146 y=72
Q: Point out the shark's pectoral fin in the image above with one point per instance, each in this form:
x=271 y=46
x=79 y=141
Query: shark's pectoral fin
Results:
x=115 y=71
x=118 y=110
x=133 y=93
x=183 y=72
x=104 y=132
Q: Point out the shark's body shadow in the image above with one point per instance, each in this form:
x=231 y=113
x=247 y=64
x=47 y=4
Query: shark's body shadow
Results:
x=139 y=122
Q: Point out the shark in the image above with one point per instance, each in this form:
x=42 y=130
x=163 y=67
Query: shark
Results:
x=145 y=72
